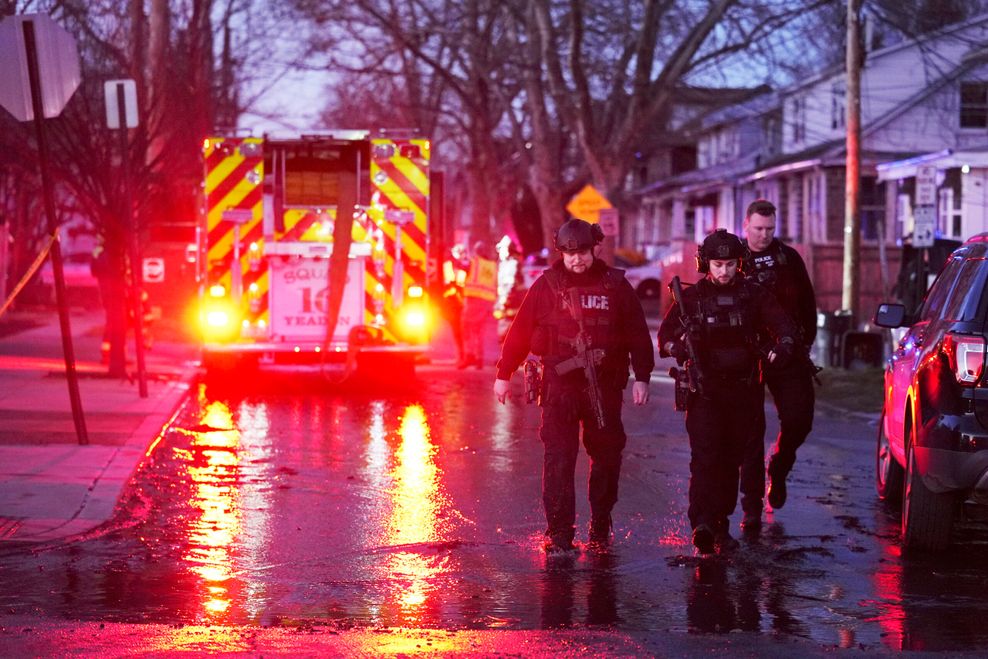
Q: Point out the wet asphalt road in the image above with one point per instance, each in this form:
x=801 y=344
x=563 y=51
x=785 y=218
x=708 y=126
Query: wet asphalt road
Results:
x=292 y=502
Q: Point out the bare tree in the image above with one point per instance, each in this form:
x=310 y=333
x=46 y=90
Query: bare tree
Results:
x=186 y=85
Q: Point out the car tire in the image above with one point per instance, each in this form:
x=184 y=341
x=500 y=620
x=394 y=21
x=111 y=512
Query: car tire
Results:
x=927 y=517
x=888 y=473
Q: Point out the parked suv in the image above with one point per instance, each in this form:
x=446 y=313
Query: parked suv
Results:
x=932 y=452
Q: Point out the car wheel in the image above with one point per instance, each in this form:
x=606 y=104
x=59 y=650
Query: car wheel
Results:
x=888 y=472
x=927 y=517
x=649 y=289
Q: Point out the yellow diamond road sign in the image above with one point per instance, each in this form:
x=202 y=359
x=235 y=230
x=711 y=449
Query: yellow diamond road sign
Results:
x=587 y=204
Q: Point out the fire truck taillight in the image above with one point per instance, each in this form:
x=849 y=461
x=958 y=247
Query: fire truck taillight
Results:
x=217 y=318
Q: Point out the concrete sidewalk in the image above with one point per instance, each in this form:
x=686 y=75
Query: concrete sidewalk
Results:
x=51 y=487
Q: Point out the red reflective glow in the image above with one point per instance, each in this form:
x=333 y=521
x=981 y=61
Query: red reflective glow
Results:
x=212 y=468
x=888 y=592
x=418 y=516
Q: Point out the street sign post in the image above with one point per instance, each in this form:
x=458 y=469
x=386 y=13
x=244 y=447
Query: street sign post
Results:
x=39 y=72
x=57 y=60
x=926 y=185
x=924 y=226
x=610 y=221
x=113 y=90
x=587 y=204
x=153 y=269
x=121 y=114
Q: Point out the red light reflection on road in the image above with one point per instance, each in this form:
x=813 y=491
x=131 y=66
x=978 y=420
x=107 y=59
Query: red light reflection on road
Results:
x=418 y=515
x=888 y=590
x=217 y=523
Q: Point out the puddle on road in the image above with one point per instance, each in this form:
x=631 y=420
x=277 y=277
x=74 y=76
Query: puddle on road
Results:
x=390 y=512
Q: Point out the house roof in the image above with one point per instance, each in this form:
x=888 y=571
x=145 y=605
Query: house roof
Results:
x=755 y=106
x=697 y=178
x=946 y=159
x=838 y=69
x=828 y=153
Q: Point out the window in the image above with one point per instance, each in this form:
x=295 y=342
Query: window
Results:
x=872 y=207
x=798 y=119
x=949 y=217
x=311 y=172
x=974 y=105
x=838 y=106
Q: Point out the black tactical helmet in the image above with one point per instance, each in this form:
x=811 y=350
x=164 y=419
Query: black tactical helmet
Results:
x=719 y=245
x=577 y=235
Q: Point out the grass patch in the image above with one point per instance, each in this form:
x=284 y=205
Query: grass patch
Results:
x=853 y=390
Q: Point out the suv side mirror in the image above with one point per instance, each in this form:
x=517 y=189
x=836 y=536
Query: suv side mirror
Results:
x=891 y=315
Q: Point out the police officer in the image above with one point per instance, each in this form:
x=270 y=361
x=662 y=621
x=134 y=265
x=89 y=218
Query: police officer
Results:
x=781 y=270
x=727 y=316
x=580 y=290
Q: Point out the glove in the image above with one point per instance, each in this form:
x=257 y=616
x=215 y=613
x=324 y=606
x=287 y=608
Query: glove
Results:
x=784 y=351
x=677 y=350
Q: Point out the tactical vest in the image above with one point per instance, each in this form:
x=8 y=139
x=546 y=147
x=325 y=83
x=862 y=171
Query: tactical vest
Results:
x=598 y=302
x=769 y=268
x=727 y=323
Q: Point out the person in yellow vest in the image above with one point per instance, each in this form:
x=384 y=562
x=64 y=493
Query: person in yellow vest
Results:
x=454 y=276
x=479 y=293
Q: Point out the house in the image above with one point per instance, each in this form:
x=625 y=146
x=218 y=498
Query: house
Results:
x=911 y=101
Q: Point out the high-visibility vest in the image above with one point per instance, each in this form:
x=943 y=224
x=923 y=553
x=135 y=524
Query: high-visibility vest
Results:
x=481 y=280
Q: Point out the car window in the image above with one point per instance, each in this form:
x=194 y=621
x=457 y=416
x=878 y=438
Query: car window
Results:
x=939 y=292
x=963 y=302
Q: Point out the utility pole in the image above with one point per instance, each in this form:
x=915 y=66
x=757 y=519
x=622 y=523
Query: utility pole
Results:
x=850 y=297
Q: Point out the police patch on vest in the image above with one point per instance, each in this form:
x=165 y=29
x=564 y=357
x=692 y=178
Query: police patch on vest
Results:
x=596 y=302
x=764 y=261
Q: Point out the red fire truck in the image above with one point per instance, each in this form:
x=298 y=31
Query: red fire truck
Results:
x=316 y=249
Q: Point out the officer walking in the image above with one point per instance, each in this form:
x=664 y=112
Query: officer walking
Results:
x=781 y=270
x=585 y=323
x=726 y=318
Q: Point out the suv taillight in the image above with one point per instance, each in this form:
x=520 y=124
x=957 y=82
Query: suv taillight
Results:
x=966 y=355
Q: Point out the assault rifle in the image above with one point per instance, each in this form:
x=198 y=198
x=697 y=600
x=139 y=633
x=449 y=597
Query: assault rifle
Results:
x=693 y=374
x=586 y=358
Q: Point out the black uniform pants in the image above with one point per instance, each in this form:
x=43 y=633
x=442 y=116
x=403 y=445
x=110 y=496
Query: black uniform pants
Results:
x=794 y=398
x=721 y=423
x=564 y=411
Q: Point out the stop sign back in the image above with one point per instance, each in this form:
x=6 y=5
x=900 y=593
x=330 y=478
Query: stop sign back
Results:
x=58 y=66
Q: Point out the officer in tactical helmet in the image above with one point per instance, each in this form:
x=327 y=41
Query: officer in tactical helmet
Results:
x=585 y=323
x=730 y=326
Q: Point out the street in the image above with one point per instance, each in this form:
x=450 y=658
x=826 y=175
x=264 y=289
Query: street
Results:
x=287 y=501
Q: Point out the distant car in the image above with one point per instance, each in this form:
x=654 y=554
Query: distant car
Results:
x=932 y=448
x=646 y=279
x=80 y=284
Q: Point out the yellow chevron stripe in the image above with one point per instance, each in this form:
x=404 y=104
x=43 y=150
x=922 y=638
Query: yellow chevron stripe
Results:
x=224 y=245
x=223 y=170
x=233 y=200
x=415 y=175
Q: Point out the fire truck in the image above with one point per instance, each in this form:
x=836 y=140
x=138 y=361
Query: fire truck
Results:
x=316 y=250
